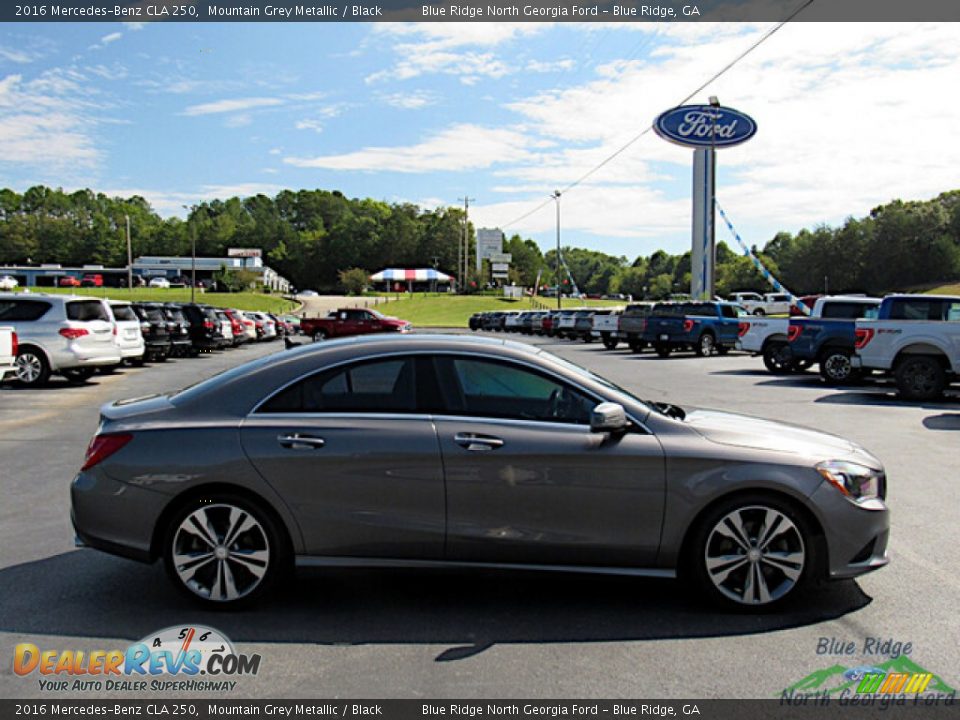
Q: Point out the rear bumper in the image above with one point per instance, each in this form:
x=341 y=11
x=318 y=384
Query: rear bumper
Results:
x=113 y=516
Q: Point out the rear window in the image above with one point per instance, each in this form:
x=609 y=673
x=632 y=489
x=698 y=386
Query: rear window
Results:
x=637 y=311
x=845 y=310
x=86 y=310
x=22 y=310
x=175 y=315
x=917 y=310
x=123 y=312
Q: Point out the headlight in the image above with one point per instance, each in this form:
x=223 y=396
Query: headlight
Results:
x=857 y=482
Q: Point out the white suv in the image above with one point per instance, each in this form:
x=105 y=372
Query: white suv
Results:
x=129 y=336
x=65 y=334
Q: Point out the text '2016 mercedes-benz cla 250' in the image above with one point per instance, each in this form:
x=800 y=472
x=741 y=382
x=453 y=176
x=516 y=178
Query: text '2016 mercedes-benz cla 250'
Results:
x=452 y=451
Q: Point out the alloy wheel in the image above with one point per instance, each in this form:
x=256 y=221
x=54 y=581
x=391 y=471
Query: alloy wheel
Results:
x=706 y=345
x=755 y=555
x=29 y=368
x=837 y=367
x=221 y=552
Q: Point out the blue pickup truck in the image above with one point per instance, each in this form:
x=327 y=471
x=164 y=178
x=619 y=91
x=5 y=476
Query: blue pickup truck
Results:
x=704 y=327
x=828 y=336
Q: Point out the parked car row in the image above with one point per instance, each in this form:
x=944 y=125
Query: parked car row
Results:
x=703 y=327
x=914 y=340
x=75 y=336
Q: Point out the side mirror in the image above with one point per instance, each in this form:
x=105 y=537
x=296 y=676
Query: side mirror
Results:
x=608 y=417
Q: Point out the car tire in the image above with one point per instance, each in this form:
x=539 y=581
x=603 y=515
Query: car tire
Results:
x=778 y=359
x=662 y=350
x=920 y=377
x=78 y=375
x=610 y=343
x=137 y=361
x=759 y=312
x=733 y=562
x=224 y=552
x=637 y=346
x=319 y=335
x=706 y=345
x=836 y=368
x=32 y=368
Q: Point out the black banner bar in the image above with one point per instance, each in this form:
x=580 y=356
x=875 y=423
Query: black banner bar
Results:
x=807 y=706
x=481 y=11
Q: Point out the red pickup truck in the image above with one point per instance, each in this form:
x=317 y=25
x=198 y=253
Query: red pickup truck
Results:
x=351 y=321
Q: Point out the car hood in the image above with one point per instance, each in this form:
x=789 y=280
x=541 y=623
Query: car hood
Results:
x=756 y=433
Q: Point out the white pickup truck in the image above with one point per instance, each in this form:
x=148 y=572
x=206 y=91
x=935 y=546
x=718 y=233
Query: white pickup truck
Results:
x=757 y=304
x=605 y=327
x=8 y=352
x=916 y=339
x=768 y=336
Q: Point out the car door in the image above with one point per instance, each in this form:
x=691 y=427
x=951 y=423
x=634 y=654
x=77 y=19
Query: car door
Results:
x=527 y=480
x=358 y=467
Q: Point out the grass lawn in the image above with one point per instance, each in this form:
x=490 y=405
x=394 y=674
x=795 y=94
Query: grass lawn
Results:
x=240 y=301
x=953 y=289
x=424 y=310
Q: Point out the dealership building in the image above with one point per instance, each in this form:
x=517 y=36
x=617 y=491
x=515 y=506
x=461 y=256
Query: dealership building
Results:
x=148 y=267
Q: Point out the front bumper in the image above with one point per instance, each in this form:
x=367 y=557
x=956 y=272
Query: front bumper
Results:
x=856 y=536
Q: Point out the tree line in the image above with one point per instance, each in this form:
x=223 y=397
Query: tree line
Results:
x=313 y=236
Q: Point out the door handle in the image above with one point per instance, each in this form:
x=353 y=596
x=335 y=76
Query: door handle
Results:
x=475 y=442
x=296 y=441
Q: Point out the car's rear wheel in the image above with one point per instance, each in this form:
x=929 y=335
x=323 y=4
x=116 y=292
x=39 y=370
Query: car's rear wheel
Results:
x=662 y=350
x=778 y=359
x=920 y=378
x=78 y=375
x=637 y=345
x=754 y=552
x=319 y=335
x=223 y=551
x=32 y=368
x=836 y=368
x=759 y=312
x=706 y=345
x=610 y=343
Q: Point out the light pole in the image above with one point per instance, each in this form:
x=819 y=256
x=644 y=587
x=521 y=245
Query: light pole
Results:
x=129 y=257
x=193 y=252
x=556 y=197
x=711 y=284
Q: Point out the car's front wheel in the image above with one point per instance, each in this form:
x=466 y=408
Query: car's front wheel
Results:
x=706 y=345
x=778 y=359
x=223 y=551
x=319 y=335
x=610 y=343
x=836 y=367
x=754 y=552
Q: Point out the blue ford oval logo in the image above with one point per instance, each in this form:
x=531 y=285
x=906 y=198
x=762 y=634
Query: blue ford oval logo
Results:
x=705 y=126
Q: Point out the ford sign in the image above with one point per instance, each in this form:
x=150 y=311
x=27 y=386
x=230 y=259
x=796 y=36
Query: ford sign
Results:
x=705 y=126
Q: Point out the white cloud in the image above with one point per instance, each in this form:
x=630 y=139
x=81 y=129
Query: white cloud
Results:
x=16 y=56
x=112 y=37
x=135 y=25
x=847 y=120
x=230 y=106
x=171 y=202
x=458 y=148
x=409 y=100
x=48 y=122
x=314 y=125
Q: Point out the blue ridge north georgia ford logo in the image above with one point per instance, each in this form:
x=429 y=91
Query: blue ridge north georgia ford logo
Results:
x=705 y=126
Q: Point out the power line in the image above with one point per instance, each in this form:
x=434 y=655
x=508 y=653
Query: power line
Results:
x=716 y=76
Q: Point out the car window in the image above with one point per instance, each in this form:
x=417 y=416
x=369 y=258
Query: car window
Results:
x=953 y=312
x=123 y=312
x=846 y=310
x=22 y=310
x=86 y=310
x=379 y=386
x=916 y=310
x=729 y=311
x=486 y=388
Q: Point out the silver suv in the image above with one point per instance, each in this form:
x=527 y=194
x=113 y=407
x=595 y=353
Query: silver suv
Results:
x=65 y=334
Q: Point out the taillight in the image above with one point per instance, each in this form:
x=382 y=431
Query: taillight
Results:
x=793 y=332
x=145 y=327
x=742 y=329
x=208 y=324
x=687 y=325
x=103 y=446
x=114 y=329
x=14 y=345
x=74 y=333
x=864 y=335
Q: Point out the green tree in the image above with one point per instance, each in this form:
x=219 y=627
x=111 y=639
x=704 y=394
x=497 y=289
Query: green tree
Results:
x=354 y=280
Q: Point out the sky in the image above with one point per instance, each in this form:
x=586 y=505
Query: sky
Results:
x=849 y=116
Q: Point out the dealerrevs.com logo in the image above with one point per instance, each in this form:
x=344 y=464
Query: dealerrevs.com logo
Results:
x=178 y=658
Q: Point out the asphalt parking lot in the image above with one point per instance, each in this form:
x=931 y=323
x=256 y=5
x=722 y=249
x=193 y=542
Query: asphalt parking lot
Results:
x=437 y=634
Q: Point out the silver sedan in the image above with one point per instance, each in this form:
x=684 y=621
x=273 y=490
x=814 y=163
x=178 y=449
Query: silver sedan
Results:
x=422 y=451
